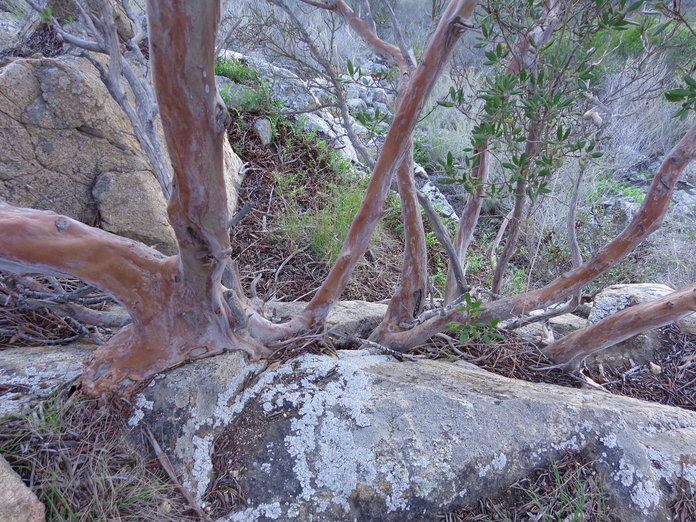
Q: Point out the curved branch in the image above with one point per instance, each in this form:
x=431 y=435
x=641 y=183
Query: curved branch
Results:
x=623 y=325
x=395 y=147
x=409 y=297
x=383 y=49
x=43 y=242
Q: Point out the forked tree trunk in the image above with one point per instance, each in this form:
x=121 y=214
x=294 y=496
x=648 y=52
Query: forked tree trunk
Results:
x=395 y=147
x=176 y=304
x=179 y=309
x=188 y=317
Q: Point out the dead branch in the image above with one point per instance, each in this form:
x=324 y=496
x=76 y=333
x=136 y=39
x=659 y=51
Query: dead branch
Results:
x=467 y=225
x=80 y=313
x=443 y=237
x=142 y=116
x=167 y=466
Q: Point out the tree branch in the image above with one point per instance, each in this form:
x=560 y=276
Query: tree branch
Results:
x=648 y=219
x=409 y=297
x=623 y=325
x=443 y=237
x=34 y=241
x=467 y=225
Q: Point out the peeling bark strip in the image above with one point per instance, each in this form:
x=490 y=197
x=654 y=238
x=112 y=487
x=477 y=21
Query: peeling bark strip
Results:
x=623 y=325
x=396 y=145
x=646 y=221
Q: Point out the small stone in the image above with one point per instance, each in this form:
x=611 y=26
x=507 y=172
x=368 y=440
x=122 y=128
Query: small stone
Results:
x=264 y=130
x=17 y=502
x=655 y=369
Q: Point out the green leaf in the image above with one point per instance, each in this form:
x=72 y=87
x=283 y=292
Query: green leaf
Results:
x=351 y=69
x=634 y=6
x=660 y=28
x=690 y=81
x=445 y=103
x=677 y=94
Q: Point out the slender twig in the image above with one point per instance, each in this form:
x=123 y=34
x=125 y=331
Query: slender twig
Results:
x=167 y=465
x=443 y=238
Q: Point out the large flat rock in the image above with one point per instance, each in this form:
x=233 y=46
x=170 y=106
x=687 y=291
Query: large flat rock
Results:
x=364 y=437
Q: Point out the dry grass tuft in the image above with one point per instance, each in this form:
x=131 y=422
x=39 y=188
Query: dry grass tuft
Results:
x=567 y=489
x=74 y=454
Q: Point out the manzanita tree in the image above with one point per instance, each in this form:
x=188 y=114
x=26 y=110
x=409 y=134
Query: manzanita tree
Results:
x=179 y=308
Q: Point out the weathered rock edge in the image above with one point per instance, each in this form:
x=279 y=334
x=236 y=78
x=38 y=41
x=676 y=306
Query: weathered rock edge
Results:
x=362 y=436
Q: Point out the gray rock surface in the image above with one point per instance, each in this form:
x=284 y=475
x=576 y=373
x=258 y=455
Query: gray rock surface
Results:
x=290 y=89
x=553 y=329
x=264 y=130
x=28 y=373
x=617 y=297
x=125 y=208
x=11 y=16
x=363 y=437
x=347 y=318
x=17 y=502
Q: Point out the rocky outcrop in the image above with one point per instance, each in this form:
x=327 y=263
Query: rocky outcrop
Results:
x=17 y=502
x=617 y=297
x=66 y=146
x=364 y=437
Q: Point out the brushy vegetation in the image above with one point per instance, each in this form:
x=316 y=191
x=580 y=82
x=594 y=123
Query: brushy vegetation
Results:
x=237 y=71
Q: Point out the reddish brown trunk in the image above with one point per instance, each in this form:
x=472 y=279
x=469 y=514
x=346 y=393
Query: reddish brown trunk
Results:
x=395 y=147
x=408 y=299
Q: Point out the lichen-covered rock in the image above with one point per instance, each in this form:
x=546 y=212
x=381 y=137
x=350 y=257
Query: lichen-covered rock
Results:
x=28 y=373
x=17 y=502
x=617 y=297
x=364 y=437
